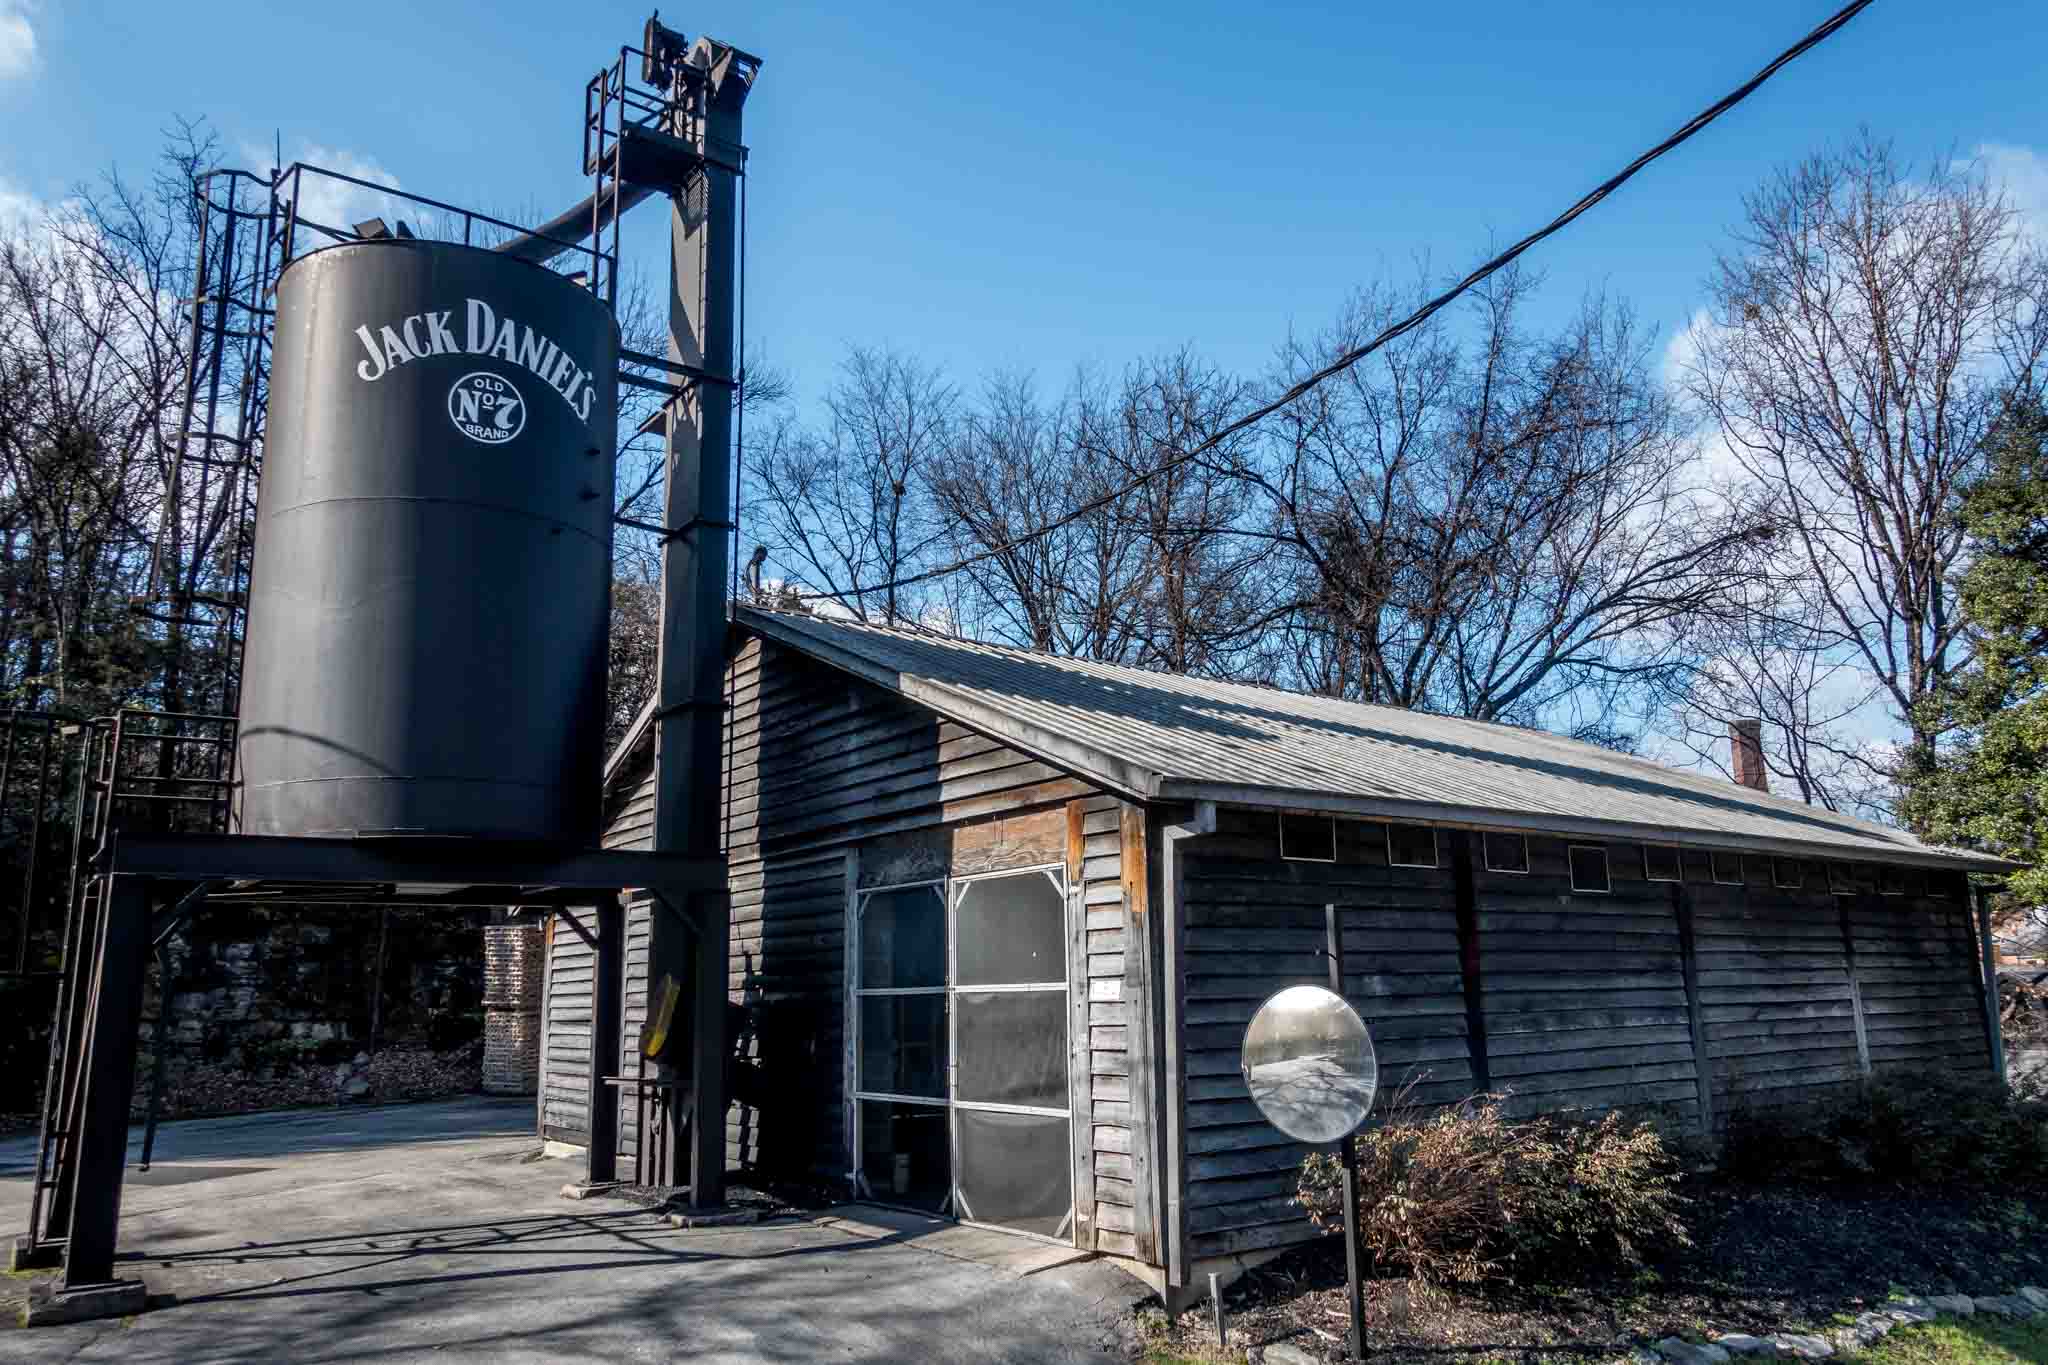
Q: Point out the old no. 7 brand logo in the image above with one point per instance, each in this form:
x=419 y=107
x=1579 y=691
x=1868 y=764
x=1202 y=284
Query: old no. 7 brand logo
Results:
x=486 y=408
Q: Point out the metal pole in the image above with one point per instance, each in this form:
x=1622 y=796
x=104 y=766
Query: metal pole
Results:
x=1347 y=1153
x=158 y=1038
x=101 y=1146
x=607 y=968
x=1993 y=1024
x=35 y=846
x=690 y=667
x=377 y=978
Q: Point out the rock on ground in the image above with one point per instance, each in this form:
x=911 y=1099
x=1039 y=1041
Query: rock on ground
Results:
x=1743 y=1344
x=1283 y=1353
x=1803 y=1346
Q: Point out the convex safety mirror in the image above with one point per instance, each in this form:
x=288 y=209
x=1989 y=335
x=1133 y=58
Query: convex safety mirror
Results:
x=1309 y=1064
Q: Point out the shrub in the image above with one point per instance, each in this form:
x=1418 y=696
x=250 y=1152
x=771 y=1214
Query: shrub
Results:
x=1932 y=1126
x=1465 y=1194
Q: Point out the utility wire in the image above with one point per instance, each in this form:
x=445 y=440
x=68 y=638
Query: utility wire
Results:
x=1421 y=315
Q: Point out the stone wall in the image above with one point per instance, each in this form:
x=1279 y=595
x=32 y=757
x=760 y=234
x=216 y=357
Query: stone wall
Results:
x=268 y=991
x=513 y=965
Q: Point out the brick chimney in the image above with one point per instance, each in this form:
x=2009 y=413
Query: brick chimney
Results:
x=1746 y=752
x=513 y=966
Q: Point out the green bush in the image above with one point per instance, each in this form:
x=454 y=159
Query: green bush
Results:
x=1935 y=1126
x=1466 y=1194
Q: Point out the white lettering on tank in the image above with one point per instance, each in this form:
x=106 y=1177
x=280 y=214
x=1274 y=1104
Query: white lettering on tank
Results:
x=395 y=353
x=483 y=325
x=371 y=370
x=442 y=340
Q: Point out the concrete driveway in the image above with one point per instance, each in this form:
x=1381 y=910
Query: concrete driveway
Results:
x=436 y=1231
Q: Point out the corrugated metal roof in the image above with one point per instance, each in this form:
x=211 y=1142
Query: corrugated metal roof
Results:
x=1161 y=736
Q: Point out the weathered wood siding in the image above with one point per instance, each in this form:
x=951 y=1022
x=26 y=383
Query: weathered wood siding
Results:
x=829 y=777
x=1584 y=994
x=565 y=1060
x=1566 y=1000
x=1918 y=971
x=1254 y=924
x=1112 y=1193
x=1778 y=1009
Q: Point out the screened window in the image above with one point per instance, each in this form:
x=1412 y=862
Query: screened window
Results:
x=1661 y=863
x=903 y=939
x=1589 y=869
x=1411 y=845
x=1727 y=868
x=903 y=1049
x=1011 y=931
x=1507 y=853
x=1891 y=880
x=1788 y=873
x=1308 y=838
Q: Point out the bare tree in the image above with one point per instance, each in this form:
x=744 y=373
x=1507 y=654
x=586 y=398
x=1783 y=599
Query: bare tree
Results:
x=1867 y=329
x=92 y=365
x=1505 y=529
x=1773 y=657
x=849 y=510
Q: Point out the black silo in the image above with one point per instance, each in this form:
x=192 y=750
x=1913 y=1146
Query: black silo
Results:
x=429 y=608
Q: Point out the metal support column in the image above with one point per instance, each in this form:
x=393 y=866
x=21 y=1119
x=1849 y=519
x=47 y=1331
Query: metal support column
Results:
x=107 y=1083
x=1994 y=1004
x=606 y=978
x=695 y=558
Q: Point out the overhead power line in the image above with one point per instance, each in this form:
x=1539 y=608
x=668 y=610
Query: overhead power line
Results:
x=1408 y=324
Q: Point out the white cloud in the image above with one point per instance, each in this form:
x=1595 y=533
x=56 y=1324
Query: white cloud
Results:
x=21 y=213
x=324 y=199
x=17 y=40
x=2023 y=172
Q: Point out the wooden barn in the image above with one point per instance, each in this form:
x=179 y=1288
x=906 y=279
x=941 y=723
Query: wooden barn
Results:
x=999 y=921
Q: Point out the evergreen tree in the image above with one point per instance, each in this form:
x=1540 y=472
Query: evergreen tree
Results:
x=1989 y=789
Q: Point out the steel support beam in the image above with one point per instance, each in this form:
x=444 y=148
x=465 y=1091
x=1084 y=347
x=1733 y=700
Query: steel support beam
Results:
x=496 y=874
x=690 y=686
x=100 y=1143
x=607 y=977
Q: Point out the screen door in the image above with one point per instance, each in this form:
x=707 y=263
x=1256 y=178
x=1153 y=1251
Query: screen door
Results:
x=961 y=1050
x=1012 y=1138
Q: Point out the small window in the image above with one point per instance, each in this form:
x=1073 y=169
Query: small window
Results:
x=1842 y=879
x=1411 y=845
x=1727 y=868
x=1916 y=881
x=1891 y=880
x=1589 y=869
x=1507 y=853
x=1788 y=873
x=1308 y=838
x=1661 y=863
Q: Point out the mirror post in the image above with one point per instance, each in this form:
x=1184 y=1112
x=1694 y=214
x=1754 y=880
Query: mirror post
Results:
x=1347 y=1153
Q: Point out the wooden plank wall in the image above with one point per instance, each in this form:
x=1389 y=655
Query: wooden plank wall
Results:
x=565 y=1063
x=819 y=763
x=1109 y=1157
x=1584 y=995
x=1582 y=1001
x=787 y=981
x=1778 y=1009
x=1255 y=924
x=1917 y=967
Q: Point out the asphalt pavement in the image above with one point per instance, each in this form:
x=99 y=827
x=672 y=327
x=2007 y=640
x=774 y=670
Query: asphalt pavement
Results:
x=437 y=1231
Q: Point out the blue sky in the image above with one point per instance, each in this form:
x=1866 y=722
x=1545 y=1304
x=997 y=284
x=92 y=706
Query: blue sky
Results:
x=1033 y=187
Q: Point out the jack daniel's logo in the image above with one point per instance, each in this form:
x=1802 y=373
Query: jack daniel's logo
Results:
x=484 y=334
